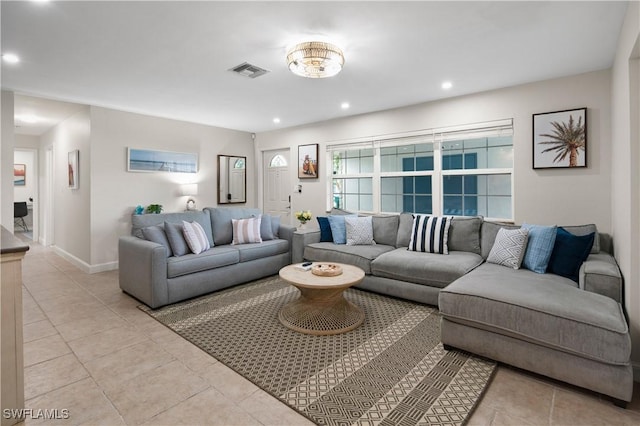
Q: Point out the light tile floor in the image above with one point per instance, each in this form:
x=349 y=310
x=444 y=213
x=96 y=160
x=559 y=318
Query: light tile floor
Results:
x=88 y=349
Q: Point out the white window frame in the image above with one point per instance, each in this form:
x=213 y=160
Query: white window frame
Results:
x=434 y=136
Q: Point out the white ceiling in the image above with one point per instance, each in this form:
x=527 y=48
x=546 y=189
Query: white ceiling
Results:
x=171 y=59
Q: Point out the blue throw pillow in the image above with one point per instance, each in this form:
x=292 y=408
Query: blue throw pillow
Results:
x=338 y=229
x=569 y=252
x=539 y=247
x=325 y=230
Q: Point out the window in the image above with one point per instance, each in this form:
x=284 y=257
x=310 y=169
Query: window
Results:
x=459 y=171
x=278 y=161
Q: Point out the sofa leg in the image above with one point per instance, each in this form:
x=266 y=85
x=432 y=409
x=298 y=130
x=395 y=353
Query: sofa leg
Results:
x=619 y=403
x=448 y=347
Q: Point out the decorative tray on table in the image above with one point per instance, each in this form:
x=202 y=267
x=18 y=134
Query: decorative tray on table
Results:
x=326 y=269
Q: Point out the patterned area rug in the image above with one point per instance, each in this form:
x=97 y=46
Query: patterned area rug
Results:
x=392 y=370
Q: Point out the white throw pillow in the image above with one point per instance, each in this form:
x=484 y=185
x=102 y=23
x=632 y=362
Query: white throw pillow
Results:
x=191 y=237
x=202 y=236
x=430 y=234
x=359 y=230
x=246 y=230
x=509 y=247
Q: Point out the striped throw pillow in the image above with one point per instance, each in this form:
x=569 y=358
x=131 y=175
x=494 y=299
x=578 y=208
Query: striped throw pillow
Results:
x=246 y=231
x=191 y=237
x=429 y=234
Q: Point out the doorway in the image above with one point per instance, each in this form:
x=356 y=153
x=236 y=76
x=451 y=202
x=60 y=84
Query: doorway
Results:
x=277 y=194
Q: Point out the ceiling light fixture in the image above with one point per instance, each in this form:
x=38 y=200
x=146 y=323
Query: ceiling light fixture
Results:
x=276 y=120
x=315 y=59
x=344 y=105
x=11 y=58
x=447 y=85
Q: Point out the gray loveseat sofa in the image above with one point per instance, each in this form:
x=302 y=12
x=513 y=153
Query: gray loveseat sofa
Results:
x=545 y=323
x=148 y=271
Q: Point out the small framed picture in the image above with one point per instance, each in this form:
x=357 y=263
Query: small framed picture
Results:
x=560 y=139
x=19 y=174
x=308 y=161
x=73 y=169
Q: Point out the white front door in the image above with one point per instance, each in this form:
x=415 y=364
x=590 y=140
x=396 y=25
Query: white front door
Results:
x=277 y=182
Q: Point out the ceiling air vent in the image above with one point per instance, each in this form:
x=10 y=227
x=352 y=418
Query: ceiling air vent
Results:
x=248 y=70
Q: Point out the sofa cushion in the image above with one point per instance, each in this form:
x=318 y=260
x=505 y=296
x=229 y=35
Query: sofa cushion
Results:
x=488 y=232
x=195 y=237
x=581 y=230
x=246 y=231
x=569 y=252
x=385 y=229
x=464 y=234
x=210 y=259
x=360 y=256
x=260 y=250
x=143 y=220
x=338 y=228
x=430 y=234
x=175 y=235
x=509 y=248
x=544 y=309
x=424 y=268
x=157 y=235
x=600 y=274
x=359 y=230
x=405 y=226
x=266 y=230
x=539 y=247
x=325 y=230
x=221 y=221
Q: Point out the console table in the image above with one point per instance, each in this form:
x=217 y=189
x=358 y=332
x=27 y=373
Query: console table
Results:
x=12 y=251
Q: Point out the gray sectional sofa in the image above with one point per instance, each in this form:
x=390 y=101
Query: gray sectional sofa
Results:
x=149 y=272
x=545 y=323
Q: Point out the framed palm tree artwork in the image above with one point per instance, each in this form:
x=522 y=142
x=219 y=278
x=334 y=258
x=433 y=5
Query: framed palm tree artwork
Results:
x=560 y=139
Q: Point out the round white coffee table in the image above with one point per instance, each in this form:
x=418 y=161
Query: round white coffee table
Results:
x=321 y=308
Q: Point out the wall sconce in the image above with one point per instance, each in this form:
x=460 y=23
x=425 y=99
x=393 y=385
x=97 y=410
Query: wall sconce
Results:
x=190 y=190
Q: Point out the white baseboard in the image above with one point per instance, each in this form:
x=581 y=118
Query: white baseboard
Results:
x=84 y=266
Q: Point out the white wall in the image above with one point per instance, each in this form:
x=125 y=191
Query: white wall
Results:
x=6 y=160
x=625 y=181
x=577 y=195
x=71 y=224
x=115 y=192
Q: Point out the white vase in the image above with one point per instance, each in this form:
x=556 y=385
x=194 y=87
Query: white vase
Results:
x=303 y=225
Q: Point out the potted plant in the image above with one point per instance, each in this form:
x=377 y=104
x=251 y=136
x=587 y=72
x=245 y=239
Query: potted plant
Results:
x=154 y=208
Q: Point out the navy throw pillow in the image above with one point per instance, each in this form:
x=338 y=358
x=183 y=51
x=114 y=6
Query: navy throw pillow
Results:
x=325 y=230
x=569 y=252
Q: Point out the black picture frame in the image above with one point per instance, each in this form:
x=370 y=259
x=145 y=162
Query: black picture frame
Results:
x=560 y=139
x=308 y=161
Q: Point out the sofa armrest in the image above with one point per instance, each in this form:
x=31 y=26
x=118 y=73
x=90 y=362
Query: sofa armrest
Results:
x=301 y=239
x=285 y=232
x=143 y=270
x=600 y=274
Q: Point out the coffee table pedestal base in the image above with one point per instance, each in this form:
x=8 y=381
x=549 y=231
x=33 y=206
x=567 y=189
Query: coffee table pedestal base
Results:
x=321 y=312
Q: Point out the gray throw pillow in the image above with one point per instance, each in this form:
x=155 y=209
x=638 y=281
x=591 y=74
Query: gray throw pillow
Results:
x=404 y=230
x=464 y=234
x=157 y=235
x=266 y=232
x=385 y=229
x=509 y=248
x=176 y=239
x=275 y=226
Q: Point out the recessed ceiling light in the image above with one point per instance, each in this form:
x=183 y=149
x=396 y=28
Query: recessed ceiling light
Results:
x=11 y=58
x=345 y=105
x=447 y=85
x=276 y=120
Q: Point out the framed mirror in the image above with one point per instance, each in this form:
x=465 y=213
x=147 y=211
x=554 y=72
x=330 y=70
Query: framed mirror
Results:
x=232 y=179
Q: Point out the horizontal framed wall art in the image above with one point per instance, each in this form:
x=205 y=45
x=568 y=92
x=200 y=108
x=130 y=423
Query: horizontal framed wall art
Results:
x=308 y=161
x=145 y=160
x=560 y=139
x=19 y=174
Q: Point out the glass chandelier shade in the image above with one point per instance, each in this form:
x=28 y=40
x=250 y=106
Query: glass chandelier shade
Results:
x=315 y=59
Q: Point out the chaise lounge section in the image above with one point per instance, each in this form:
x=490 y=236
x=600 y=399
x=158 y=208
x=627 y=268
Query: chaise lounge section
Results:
x=542 y=322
